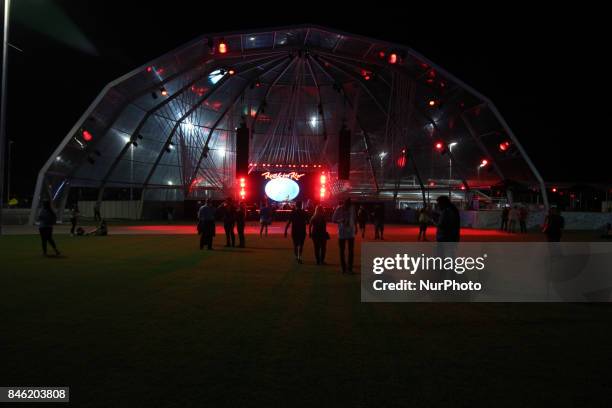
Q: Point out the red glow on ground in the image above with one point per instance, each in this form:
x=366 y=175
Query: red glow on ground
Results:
x=393 y=233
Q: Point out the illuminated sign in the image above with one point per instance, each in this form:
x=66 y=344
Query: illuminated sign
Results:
x=282 y=189
x=292 y=175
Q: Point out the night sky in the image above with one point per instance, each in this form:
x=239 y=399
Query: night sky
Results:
x=546 y=70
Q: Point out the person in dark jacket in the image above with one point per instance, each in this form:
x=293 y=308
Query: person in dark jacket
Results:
x=46 y=221
x=553 y=225
x=379 y=221
x=74 y=218
x=449 y=222
x=297 y=220
x=504 y=218
x=206 y=224
x=241 y=214
x=228 y=214
x=317 y=230
x=362 y=219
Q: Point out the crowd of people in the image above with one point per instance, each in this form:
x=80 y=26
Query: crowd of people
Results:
x=349 y=219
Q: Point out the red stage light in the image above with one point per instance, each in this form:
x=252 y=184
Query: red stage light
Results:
x=462 y=187
x=222 y=47
x=431 y=184
x=149 y=69
x=439 y=146
x=393 y=58
x=323 y=178
x=504 y=146
x=381 y=55
x=554 y=189
x=432 y=103
x=484 y=162
x=87 y=136
x=231 y=71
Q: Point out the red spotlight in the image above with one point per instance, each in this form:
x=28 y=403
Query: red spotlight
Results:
x=222 y=47
x=439 y=146
x=431 y=184
x=242 y=188
x=323 y=178
x=381 y=55
x=392 y=58
x=462 y=187
x=504 y=146
x=554 y=189
x=231 y=71
x=149 y=69
x=87 y=136
x=432 y=103
x=484 y=162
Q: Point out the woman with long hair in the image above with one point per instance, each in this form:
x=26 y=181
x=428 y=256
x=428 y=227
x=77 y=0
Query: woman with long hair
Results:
x=46 y=221
x=317 y=231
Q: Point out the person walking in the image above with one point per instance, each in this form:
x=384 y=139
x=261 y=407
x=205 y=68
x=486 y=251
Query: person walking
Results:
x=504 y=219
x=523 y=214
x=362 y=219
x=423 y=223
x=206 y=224
x=344 y=216
x=265 y=218
x=297 y=220
x=379 y=222
x=46 y=221
x=241 y=214
x=449 y=222
x=74 y=216
x=553 y=225
x=228 y=214
x=97 y=215
x=513 y=217
x=317 y=230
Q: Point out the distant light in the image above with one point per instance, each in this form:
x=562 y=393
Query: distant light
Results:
x=453 y=144
x=222 y=47
x=58 y=158
x=313 y=121
x=554 y=189
x=170 y=183
x=439 y=146
x=216 y=76
x=149 y=69
x=393 y=58
x=382 y=155
x=87 y=136
x=252 y=38
x=163 y=91
x=126 y=139
x=431 y=184
x=188 y=125
x=483 y=163
x=222 y=151
x=231 y=71
x=381 y=55
x=323 y=178
x=462 y=187
x=431 y=103
x=504 y=146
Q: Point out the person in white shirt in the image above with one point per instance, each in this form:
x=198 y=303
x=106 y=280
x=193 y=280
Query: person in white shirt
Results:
x=345 y=217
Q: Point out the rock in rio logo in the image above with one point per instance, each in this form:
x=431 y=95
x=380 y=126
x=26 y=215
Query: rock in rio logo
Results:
x=292 y=175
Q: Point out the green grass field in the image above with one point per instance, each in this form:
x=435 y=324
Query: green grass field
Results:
x=150 y=321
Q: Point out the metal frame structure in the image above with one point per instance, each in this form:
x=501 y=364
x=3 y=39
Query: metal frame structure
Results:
x=326 y=65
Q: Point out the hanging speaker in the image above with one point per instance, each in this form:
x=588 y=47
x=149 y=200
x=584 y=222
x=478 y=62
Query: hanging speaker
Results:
x=242 y=150
x=344 y=153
